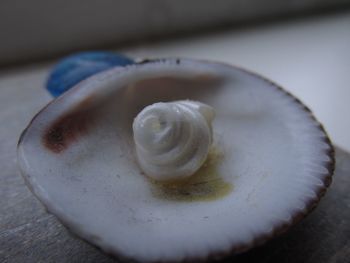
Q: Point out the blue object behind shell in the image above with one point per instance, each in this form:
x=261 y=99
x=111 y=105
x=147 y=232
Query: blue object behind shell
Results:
x=77 y=67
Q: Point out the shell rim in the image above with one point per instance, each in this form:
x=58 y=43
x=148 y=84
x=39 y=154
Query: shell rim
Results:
x=296 y=217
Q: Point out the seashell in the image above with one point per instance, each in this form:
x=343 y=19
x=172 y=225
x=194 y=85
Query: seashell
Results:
x=269 y=164
x=173 y=139
x=79 y=66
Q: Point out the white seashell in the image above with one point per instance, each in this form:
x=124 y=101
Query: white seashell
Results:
x=173 y=139
x=77 y=156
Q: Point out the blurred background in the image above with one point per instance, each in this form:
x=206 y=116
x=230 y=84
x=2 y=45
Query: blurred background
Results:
x=304 y=45
x=39 y=28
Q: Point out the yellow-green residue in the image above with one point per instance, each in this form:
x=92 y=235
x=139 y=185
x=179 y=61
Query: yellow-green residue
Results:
x=205 y=185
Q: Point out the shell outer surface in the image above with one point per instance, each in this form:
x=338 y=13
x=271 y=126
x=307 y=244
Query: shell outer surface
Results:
x=164 y=130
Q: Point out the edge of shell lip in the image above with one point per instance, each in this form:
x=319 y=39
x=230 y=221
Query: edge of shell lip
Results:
x=237 y=249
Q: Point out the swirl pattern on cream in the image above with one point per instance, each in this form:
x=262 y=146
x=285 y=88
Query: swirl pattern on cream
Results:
x=172 y=139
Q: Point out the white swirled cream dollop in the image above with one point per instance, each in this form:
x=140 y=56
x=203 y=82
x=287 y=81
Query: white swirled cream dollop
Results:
x=173 y=139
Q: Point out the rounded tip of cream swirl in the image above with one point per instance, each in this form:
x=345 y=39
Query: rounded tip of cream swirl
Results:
x=172 y=139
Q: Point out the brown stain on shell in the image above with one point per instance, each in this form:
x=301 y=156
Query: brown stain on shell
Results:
x=69 y=127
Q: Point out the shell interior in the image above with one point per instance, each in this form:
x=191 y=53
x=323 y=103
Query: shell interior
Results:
x=77 y=156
